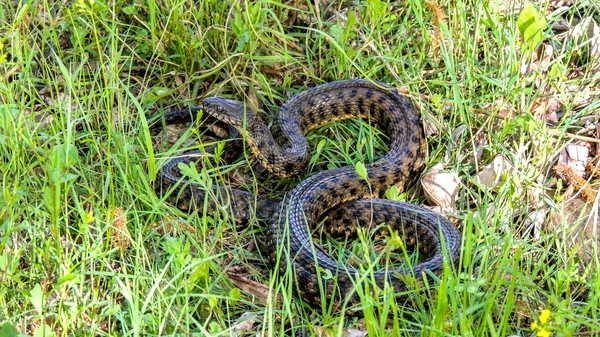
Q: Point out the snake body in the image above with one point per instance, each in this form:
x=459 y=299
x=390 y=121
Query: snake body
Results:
x=340 y=195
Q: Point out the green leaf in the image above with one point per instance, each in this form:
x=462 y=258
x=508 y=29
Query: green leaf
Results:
x=36 y=296
x=63 y=155
x=219 y=151
x=321 y=145
x=375 y=8
x=558 y=71
x=392 y=193
x=130 y=10
x=472 y=289
x=234 y=296
x=319 y=150
x=157 y=93
x=361 y=170
x=532 y=25
x=201 y=271
x=326 y=274
x=111 y=310
x=213 y=302
x=189 y=170
x=98 y=6
x=3 y=259
x=44 y=331
x=67 y=278
x=352 y=20
x=337 y=32
x=7 y=330
x=48 y=198
x=214 y=327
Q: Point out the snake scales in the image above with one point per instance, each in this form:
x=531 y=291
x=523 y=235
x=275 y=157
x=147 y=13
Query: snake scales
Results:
x=338 y=195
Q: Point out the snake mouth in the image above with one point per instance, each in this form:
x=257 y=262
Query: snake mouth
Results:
x=232 y=112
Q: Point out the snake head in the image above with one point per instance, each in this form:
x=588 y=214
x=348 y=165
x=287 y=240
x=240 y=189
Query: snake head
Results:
x=229 y=111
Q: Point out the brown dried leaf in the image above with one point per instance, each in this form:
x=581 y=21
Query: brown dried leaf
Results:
x=575 y=156
x=540 y=61
x=349 y=332
x=431 y=127
x=245 y=323
x=438 y=19
x=595 y=46
x=572 y=178
x=480 y=142
x=120 y=237
x=579 y=221
x=450 y=150
x=54 y=98
x=490 y=175
x=458 y=131
x=441 y=189
x=172 y=226
x=560 y=3
x=545 y=108
x=593 y=168
x=544 y=56
x=594 y=35
x=536 y=220
x=580 y=97
x=587 y=34
x=254 y=288
x=41 y=119
x=588 y=30
x=322 y=332
x=500 y=109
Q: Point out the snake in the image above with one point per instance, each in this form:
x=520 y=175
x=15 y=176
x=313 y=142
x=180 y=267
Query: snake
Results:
x=337 y=199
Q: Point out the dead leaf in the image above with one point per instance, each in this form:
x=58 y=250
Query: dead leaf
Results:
x=594 y=35
x=480 y=142
x=458 y=131
x=322 y=332
x=499 y=108
x=572 y=178
x=593 y=168
x=491 y=174
x=256 y=289
x=120 y=237
x=580 y=95
x=346 y=332
x=438 y=19
x=545 y=108
x=588 y=31
x=173 y=226
x=586 y=35
x=245 y=323
x=577 y=222
x=349 y=332
x=536 y=220
x=545 y=53
x=431 y=127
x=575 y=156
x=55 y=96
x=441 y=189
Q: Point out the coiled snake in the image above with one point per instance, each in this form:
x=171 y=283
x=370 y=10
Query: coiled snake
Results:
x=338 y=194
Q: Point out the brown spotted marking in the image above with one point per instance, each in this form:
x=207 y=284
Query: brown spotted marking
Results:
x=337 y=194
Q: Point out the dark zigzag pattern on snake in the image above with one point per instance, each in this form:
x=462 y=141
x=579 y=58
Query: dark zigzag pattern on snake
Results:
x=340 y=194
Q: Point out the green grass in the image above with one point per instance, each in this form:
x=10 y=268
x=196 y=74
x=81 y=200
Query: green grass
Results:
x=76 y=74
